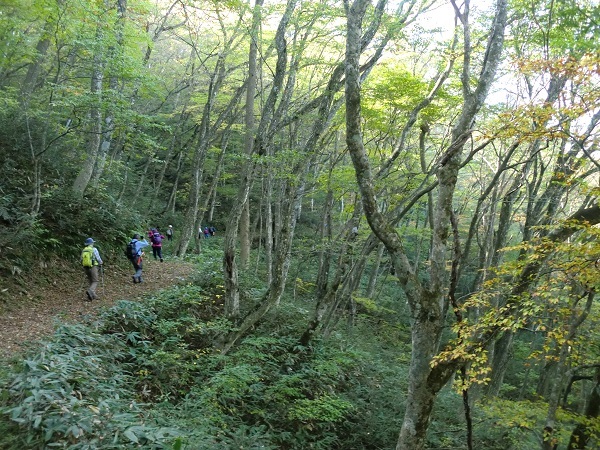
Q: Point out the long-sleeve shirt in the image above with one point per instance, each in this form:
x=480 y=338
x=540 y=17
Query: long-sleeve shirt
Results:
x=97 y=256
x=139 y=245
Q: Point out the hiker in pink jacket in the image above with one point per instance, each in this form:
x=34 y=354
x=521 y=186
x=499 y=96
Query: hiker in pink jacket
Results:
x=156 y=240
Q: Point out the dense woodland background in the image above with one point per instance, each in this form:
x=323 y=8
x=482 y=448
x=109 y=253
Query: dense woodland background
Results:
x=406 y=214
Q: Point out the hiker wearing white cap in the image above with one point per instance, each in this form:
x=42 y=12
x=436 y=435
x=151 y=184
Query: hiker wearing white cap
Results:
x=170 y=233
x=91 y=262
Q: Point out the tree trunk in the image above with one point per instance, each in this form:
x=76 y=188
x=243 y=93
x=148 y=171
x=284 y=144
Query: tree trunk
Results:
x=249 y=123
x=95 y=135
x=424 y=380
x=325 y=244
x=500 y=356
x=269 y=223
x=421 y=392
x=261 y=142
x=207 y=132
x=211 y=195
x=34 y=69
x=581 y=435
x=245 y=236
x=173 y=196
x=370 y=291
x=549 y=440
x=113 y=82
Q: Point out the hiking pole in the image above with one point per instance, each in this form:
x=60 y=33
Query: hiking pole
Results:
x=102 y=279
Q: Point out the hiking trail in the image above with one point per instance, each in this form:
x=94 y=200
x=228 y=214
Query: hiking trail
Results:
x=63 y=300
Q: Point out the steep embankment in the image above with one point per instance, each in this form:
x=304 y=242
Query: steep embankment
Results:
x=37 y=308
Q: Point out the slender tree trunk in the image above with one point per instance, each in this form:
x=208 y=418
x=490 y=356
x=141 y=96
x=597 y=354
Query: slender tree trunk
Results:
x=261 y=143
x=142 y=180
x=502 y=350
x=109 y=119
x=173 y=196
x=211 y=195
x=245 y=236
x=325 y=243
x=374 y=272
x=206 y=135
x=95 y=136
x=35 y=68
x=269 y=223
x=549 y=439
x=249 y=133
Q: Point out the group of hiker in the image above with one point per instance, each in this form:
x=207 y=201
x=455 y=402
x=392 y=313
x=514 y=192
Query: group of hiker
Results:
x=206 y=232
x=92 y=262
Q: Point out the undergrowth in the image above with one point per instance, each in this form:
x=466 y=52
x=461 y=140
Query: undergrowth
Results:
x=149 y=375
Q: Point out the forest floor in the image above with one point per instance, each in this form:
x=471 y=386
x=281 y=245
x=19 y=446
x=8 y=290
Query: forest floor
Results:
x=36 y=309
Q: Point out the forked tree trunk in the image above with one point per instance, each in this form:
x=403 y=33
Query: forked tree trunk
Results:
x=425 y=381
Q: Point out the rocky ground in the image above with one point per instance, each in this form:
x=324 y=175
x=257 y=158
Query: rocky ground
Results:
x=35 y=310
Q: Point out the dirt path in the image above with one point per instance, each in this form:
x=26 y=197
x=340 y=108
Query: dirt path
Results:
x=65 y=301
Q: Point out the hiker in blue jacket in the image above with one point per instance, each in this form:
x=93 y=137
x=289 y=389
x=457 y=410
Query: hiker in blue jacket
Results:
x=137 y=256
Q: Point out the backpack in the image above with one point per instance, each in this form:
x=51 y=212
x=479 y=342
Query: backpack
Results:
x=130 y=251
x=87 y=257
x=156 y=239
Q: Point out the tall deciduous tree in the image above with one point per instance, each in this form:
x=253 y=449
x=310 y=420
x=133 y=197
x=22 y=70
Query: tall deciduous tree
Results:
x=425 y=302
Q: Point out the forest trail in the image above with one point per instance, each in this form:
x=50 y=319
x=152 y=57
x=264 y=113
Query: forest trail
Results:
x=64 y=300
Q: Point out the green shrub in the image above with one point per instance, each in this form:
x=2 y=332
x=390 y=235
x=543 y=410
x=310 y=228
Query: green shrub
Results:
x=76 y=393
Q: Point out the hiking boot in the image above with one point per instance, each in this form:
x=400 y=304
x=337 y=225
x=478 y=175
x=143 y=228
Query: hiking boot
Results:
x=134 y=279
x=161 y=260
x=89 y=296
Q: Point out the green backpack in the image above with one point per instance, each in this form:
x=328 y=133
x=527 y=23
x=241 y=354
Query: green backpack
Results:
x=87 y=256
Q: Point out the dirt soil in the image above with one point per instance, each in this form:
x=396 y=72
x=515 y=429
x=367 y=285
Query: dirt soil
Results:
x=36 y=310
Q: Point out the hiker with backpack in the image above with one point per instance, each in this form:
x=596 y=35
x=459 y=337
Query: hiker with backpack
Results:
x=134 y=253
x=92 y=264
x=170 y=233
x=157 y=239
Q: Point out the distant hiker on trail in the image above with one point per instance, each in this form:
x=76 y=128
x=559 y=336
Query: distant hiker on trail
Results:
x=134 y=253
x=170 y=233
x=206 y=233
x=90 y=260
x=200 y=232
x=157 y=239
x=212 y=231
